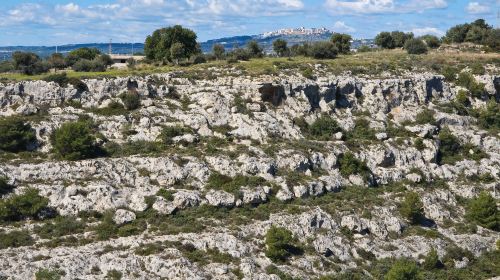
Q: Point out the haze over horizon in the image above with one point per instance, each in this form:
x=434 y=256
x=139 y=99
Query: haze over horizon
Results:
x=60 y=22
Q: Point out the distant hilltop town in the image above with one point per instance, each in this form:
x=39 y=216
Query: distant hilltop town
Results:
x=297 y=31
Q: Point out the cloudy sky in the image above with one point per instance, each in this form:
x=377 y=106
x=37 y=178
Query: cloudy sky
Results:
x=51 y=22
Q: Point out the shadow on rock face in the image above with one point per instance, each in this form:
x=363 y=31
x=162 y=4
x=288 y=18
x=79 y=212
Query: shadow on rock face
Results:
x=273 y=94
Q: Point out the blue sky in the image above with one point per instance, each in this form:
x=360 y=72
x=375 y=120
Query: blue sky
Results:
x=56 y=22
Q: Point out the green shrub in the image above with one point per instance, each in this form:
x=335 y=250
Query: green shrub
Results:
x=166 y=194
x=114 y=275
x=450 y=73
x=75 y=141
x=477 y=69
x=85 y=65
x=15 y=135
x=404 y=270
x=323 y=128
x=489 y=117
x=483 y=210
x=323 y=50
x=425 y=116
x=449 y=148
x=280 y=244
x=5 y=187
x=308 y=73
x=169 y=132
x=412 y=208
x=364 y=48
x=218 y=181
x=419 y=144
x=432 y=41
x=350 y=165
x=415 y=46
x=61 y=226
x=467 y=81
x=362 y=130
x=113 y=108
x=46 y=274
x=431 y=261
x=26 y=205
x=15 y=239
x=342 y=42
x=132 y=100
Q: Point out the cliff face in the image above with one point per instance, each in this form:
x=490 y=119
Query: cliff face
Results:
x=251 y=127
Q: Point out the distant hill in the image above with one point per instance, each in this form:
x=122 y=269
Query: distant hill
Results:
x=265 y=40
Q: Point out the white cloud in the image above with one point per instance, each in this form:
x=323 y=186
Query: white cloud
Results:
x=70 y=8
x=382 y=6
x=340 y=26
x=427 y=30
x=477 y=8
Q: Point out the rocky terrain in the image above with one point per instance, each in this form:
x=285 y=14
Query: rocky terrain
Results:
x=246 y=155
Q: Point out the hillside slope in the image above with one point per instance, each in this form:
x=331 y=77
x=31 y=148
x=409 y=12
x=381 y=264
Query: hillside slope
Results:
x=331 y=159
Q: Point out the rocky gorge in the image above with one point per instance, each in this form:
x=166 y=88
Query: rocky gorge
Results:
x=329 y=159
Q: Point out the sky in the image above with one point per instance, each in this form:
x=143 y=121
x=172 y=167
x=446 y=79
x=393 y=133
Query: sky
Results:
x=58 y=22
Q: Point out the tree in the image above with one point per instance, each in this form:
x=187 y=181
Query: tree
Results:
x=403 y=270
x=279 y=244
x=400 y=38
x=158 y=46
x=74 y=141
x=483 y=210
x=342 y=42
x=280 y=47
x=493 y=39
x=218 y=51
x=415 y=46
x=457 y=33
x=105 y=60
x=323 y=50
x=432 y=41
x=81 y=53
x=385 y=40
x=56 y=61
x=254 y=49
x=15 y=135
x=29 y=63
x=412 y=208
x=177 y=52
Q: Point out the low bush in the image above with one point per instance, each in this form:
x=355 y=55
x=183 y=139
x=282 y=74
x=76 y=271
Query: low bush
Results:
x=15 y=135
x=404 y=270
x=489 y=117
x=85 y=65
x=46 y=274
x=61 y=226
x=450 y=73
x=425 y=116
x=169 y=132
x=114 y=275
x=15 y=239
x=75 y=141
x=350 y=165
x=432 y=261
x=323 y=128
x=5 y=187
x=412 y=208
x=483 y=211
x=26 y=205
x=218 y=181
x=280 y=244
x=323 y=50
x=131 y=100
x=449 y=148
x=468 y=81
x=361 y=130
x=415 y=46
